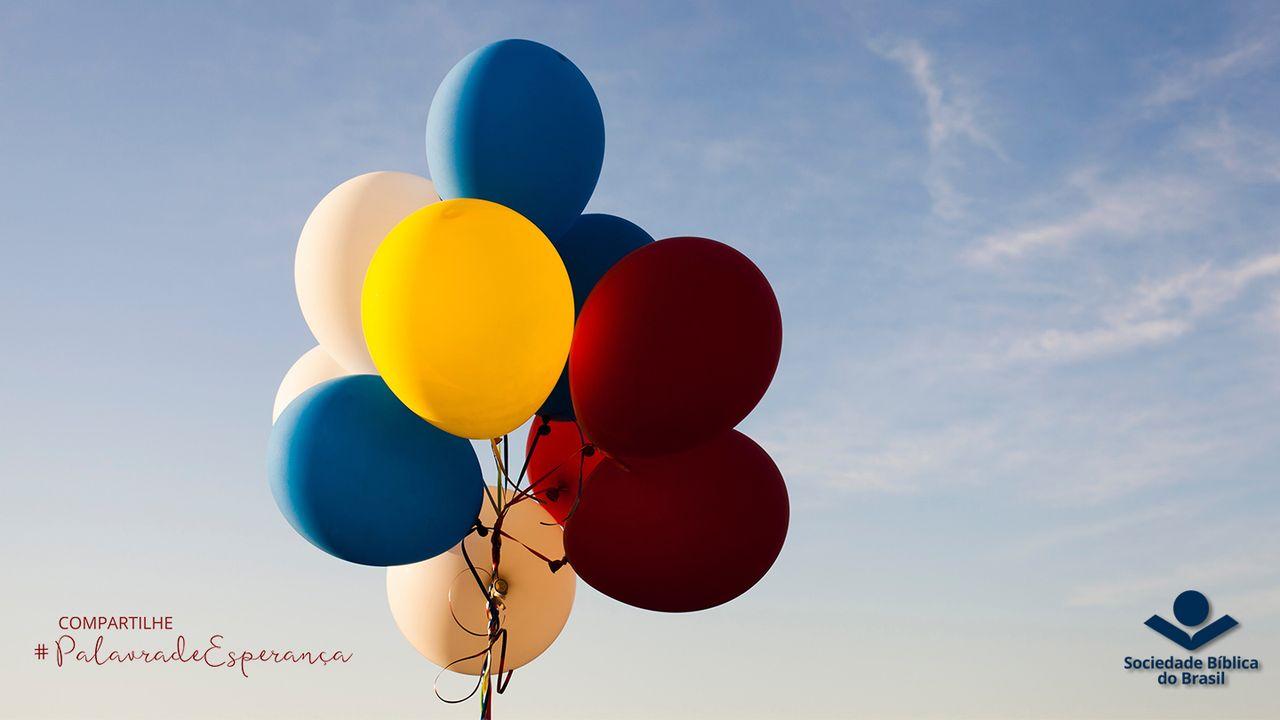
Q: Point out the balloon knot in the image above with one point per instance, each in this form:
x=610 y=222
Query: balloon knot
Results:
x=481 y=530
x=544 y=428
x=588 y=451
x=553 y=494
x=557 y=564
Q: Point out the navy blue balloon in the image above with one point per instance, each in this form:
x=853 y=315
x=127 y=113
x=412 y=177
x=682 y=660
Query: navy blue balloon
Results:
x=592 y=245
x=363 y=478
x=517 y=123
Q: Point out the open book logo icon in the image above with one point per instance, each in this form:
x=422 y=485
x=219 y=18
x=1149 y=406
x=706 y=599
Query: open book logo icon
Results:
x=1191 y=609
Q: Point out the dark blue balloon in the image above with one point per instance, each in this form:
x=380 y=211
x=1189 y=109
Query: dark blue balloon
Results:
x=592 y=245
x=517 y=123
x=363 y=478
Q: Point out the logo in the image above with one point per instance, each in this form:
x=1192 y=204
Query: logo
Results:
x=1191 y=608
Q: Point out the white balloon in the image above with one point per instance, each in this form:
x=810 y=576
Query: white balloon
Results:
x=334 y=251
x=439 y=608
x=314 y=367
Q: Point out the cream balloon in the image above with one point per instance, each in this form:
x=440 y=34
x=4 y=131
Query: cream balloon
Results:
x=535 y=607
x=334 y=250
x=314 y=367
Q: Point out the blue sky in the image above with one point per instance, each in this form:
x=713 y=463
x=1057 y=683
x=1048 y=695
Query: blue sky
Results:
x=1030 y=278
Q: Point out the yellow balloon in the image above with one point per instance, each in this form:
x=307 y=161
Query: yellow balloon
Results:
x=468 y=315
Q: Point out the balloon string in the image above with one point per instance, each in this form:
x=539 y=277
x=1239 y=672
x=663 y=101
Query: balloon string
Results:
x=475 y=572
x=528 y=493
x=535 y=553
x=508 y=486
x=454 y=614
x=517 y=492
x=506 y=456
x=497 y=632
x=481 y=682
x=584 y=452
x=446 y=668
x=533 y=447
x=502 y=473
x=557 y=466
x=493 y=503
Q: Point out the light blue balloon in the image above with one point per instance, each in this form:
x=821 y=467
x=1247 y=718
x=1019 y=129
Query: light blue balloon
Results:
x=517 y=123
x=363 y=478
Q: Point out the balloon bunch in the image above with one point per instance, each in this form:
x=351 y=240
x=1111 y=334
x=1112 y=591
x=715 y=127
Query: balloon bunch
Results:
x=440 y=321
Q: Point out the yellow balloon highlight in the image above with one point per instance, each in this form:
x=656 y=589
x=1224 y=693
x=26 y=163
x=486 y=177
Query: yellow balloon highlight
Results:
x=468 y=315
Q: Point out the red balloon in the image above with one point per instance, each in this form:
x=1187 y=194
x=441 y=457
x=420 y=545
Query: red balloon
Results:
x=683 y=532
x=675 y=345
x=556 y=464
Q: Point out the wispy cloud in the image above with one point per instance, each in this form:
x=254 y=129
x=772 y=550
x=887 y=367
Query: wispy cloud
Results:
x=1140 y=205
x=1187 y=79
x=1116 y=457
x=1253 y=577
x=951 y=119
x=1108 y=528
x=1056 y=452
x=949 y=116
x=855 y=453
x=1065 y=345
x=1155 y=312
x=1130 y=208
x=1246 y=154
x=1143 y=590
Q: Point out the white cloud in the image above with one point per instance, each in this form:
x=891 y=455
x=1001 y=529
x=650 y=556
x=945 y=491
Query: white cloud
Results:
x=1243 y=582
x=1142 y=590
x=1065 y=345
x=1118 y=458
x=1065 y=453
x=1154 y=313
x=951 y=117
x=1246 y=154
x=1132 y=208
x=1202 y=290
x=854 y=453
x=1123 y=524
x=1188 y=79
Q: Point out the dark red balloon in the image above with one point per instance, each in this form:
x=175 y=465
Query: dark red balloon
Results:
x=682 y=532
x=556 y=463
x=675 y=345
